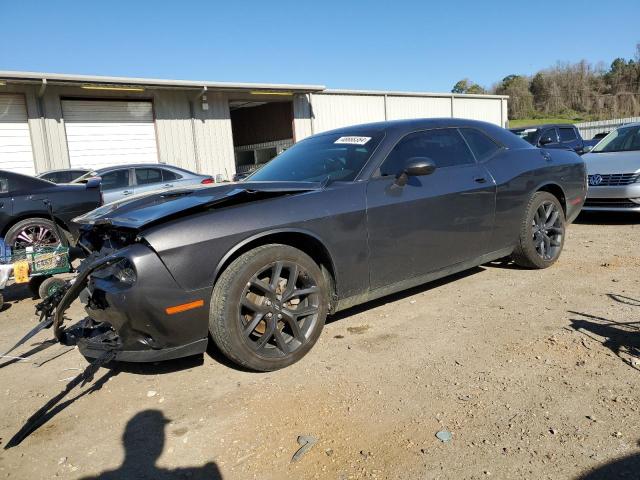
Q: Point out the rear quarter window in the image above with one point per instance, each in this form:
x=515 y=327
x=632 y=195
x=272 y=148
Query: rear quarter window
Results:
x=481 y=144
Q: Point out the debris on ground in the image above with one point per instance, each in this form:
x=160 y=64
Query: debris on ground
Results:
x=444 y=436
x=306 y=442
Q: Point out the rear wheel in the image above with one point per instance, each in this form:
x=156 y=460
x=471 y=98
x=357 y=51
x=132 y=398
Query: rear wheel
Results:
x=33 y=232
x=542 y=232
x=268 y=307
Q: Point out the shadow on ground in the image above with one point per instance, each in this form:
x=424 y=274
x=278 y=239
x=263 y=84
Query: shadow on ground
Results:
x=143 y=441
x=624 y=468
x=622 y=338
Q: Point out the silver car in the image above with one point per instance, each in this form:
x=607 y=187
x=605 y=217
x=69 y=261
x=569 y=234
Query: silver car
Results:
x=125 y=180
x=613 y=168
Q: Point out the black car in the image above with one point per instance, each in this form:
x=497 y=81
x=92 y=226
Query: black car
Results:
x=24 y=209
x=555 y=135
x=338 y=219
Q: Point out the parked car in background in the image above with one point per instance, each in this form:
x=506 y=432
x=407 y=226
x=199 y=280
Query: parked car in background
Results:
x=600 y=136
x=613 y=167
x=124 y=180
x=24 y=215
x=338 y=219
x=63 y=175
x=564 y=136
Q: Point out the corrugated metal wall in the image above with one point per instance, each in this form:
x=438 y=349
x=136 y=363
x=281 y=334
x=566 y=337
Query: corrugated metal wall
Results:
x=337 y=109
x=201 y=140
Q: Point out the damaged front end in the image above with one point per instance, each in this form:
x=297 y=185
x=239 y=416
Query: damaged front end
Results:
x=120 y=284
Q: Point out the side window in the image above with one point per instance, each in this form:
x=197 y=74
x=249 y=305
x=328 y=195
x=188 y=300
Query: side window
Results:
x=481 y=145
x=567 y=134
x=4 y=185
x=148 y=175
x=168 y=175
x=550 y=132
x=445 y=147
x=115 y=179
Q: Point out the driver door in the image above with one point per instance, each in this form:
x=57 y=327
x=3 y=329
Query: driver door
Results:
x=434 y=221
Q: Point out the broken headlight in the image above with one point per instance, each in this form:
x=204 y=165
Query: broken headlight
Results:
x=123 y=271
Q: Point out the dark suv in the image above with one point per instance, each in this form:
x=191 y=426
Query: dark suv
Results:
x=562 y=135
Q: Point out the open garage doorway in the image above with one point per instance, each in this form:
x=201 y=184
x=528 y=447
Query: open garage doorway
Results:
x=261 y=130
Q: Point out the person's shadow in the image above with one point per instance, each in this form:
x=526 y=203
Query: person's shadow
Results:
x=143 y=441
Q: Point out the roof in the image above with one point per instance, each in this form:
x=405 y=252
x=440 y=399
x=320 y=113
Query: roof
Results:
x=63 y=78
x=73 y=79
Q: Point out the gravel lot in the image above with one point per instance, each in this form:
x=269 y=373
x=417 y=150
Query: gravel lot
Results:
x=534 y=373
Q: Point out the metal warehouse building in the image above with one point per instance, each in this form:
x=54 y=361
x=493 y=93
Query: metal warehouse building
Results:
x=52 y=121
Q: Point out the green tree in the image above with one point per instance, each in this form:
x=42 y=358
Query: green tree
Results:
x=467 y=86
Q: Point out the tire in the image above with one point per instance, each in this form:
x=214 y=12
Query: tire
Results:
x=542 y=232
x=35 y=283
x=255 y=324
x=49 y=286
x=34 y=232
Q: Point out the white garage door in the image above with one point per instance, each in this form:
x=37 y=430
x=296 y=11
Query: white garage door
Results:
x=15 y=140
x=102 y=133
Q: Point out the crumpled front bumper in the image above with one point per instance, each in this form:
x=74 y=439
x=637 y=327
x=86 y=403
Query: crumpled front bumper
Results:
x=132 y=319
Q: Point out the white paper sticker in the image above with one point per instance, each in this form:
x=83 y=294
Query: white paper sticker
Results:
x=353 y=140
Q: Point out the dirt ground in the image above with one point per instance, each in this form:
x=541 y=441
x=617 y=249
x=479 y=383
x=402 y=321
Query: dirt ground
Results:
x=534 y=373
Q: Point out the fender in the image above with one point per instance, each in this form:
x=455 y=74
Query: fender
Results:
x=266 y=233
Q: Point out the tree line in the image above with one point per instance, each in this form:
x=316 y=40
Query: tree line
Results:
x=571 y=90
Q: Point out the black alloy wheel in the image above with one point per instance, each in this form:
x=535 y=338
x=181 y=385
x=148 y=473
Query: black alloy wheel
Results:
x=542 y=232
x=268 y=307
x=278 y=309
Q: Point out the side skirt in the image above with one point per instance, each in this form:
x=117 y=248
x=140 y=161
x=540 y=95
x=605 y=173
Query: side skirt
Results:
x=349 y=302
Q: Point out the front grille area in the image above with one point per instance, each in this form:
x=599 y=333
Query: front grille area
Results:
x=615 y=179
x=610 y=203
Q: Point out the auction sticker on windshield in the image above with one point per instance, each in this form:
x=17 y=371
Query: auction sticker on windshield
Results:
x=353 y=140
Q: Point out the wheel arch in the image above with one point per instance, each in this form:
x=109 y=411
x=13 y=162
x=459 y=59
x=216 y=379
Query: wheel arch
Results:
x=555 y=190
x=303 y=240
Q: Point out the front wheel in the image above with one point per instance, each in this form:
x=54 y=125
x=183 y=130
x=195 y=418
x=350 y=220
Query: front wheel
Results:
x=542 y=232
x=268 y=307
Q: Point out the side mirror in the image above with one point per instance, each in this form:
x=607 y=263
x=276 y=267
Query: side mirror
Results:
x=416 y=167
x=545 y=140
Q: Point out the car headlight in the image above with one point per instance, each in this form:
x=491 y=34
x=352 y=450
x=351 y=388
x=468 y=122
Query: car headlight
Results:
x=125 y=272
x=122 y=272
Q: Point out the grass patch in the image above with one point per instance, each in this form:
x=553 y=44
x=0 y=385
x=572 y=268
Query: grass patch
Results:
x=539 y=121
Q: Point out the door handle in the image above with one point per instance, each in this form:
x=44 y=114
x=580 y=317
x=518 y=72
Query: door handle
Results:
x=127 y=192
x=168 y=185
x=480 y=180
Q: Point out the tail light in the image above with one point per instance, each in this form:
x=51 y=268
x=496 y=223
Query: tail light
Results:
x=207 y=180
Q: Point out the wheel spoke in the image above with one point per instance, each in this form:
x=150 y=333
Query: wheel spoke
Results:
x=260 y=285
x=266 y=336
x=301 y=293
x=275 y=275
x=299 y=312
x=547 y=244
x=291 y=282
x=280 y=342
x=254 y=307
x=257 y=318
x=552 y=220
x=295 y=328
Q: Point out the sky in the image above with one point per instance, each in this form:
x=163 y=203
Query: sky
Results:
x=392 y=45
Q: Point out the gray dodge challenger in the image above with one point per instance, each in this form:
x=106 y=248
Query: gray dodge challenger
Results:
x=340 y=218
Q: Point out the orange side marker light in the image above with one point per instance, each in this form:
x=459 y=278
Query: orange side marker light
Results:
x=184 y=307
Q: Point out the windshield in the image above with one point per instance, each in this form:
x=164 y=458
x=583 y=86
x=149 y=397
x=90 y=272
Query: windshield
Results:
x=337 y=156
x=624 y=139
x=528 y=134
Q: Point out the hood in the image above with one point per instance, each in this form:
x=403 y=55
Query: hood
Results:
x=146 y=209
x=612 y=162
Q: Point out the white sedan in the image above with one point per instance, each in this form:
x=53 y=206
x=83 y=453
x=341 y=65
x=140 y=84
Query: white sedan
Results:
x=613 y=168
